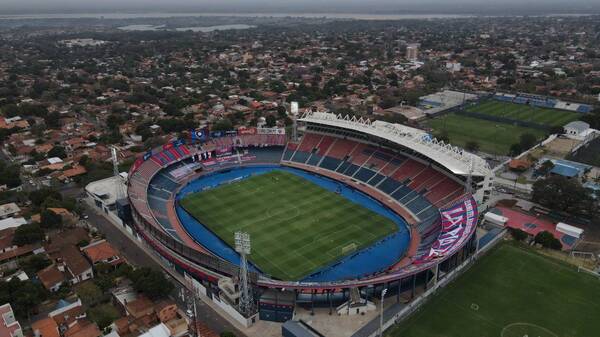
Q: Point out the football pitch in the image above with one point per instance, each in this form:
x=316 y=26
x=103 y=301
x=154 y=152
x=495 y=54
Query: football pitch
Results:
x=511 y=292
x=492 y=137
x=295 y=226
x=524 y=112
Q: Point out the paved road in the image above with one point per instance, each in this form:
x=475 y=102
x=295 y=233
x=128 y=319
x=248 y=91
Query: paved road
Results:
x=137 y=256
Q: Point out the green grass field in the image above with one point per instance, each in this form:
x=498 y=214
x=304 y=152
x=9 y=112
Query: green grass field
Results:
x=295 y=226
x=494 y=138
x=511 y=292
x=524 y=112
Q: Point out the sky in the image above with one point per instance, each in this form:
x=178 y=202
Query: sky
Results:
x=306 y=6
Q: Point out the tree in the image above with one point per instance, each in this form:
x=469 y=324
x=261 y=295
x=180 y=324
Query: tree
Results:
x=518 y=234
x=24 y=296
x=38 y=197
x=27 y=234
x=49 y=219
x=222 y=125
x=527 y=140
x=545 y=168
x=547 y=240
x=563 y=195
x=556 y=130
x=227 y=334
x=151 y=282
x=271 y=121
x=89 y=293
x=57 y=151
x=34 y=263
x=104 y=314
x=9 y=175
x=472 y=146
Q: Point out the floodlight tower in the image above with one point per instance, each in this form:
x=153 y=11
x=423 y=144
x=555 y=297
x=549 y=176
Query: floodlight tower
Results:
x=243 y=247
x=294 y=111
x=120 y=193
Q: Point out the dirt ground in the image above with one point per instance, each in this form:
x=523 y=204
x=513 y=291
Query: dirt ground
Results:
x=561 y=146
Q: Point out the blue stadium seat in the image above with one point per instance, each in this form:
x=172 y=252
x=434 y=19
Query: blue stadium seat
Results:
x=314 y=159
x=389 y=185
x=351 y=170
x=402 y=192
x=300 y=157
x=330 y=163
x=343 y=167
x=376 y=179
x=287 y=155
x=364 y=174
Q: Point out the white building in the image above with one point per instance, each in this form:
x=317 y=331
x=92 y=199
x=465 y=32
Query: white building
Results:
x=9 y=209
x=578 y=130
x=412 y=52
x=12 y=223
x=105 y=192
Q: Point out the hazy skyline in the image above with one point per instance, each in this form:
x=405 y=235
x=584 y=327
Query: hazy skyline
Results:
x=291 y=6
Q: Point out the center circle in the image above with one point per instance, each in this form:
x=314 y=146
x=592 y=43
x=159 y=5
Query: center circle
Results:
x=284 y=214
x=521 y=329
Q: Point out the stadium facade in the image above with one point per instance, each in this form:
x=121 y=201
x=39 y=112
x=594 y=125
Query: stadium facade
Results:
x=435 y=187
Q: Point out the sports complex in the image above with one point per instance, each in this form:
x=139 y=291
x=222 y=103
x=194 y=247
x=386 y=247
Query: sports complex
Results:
x=350 y=207
x=496 y=122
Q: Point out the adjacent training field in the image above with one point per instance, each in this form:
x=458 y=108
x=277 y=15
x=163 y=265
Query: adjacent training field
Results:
x=511 y=292
x=525 y=112
x=296 y=226
x=492 y=137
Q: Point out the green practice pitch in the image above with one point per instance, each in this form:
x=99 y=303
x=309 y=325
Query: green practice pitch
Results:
x=296 y=226
x=492 y=137
x=511 y=292
x=525 y=112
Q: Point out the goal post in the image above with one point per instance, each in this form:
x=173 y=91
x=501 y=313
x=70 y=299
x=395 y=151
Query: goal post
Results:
x=349 y=248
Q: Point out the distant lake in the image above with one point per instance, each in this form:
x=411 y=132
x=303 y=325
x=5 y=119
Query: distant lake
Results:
x=132 y=28
x=213 y=28
x=205 y=29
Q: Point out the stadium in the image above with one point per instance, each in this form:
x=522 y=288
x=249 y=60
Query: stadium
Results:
x=350 y=205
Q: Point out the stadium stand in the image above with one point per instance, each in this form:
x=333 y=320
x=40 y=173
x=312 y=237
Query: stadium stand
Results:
x=417 y=186
x=543 y=102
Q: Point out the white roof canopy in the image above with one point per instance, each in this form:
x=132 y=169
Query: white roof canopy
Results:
x=455 y=159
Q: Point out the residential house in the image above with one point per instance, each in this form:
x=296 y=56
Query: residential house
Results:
x=9 y=252
x=71 y=262
x=66 y=314
x=83 y=328
x=51 y=277
x=166 y=310
x=9 y=327
x=102 y=252
x=45 y=327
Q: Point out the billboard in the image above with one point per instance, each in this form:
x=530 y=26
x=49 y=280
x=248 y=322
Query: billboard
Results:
x=198 y=135
x=246 y=131
x=270 y=131
x=227 y=151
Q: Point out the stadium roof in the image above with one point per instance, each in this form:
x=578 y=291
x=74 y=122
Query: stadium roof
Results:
x=455 y=159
